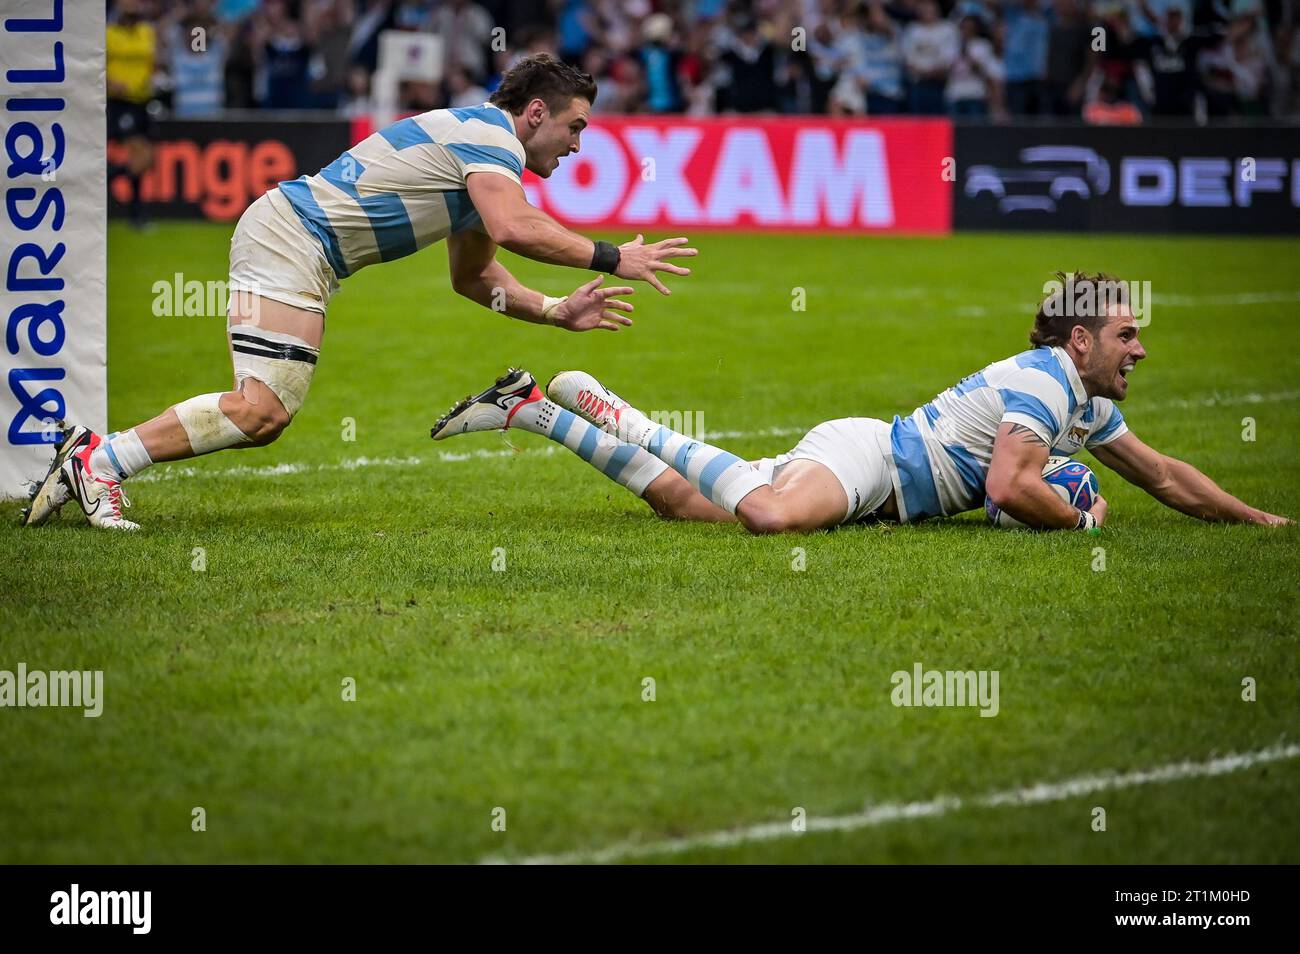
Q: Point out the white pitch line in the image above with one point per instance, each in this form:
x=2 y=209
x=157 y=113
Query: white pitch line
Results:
x=1037 y=794
x=354 y=463
x=1216 y=400
x=182 y=471
x=1238 y=298
x=189 y=472
x=1009 y=305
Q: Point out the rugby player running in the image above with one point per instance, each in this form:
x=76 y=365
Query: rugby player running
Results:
x=451 y=174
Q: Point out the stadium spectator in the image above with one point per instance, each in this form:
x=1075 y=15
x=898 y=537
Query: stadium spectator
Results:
x=748 y=61
x=466 y=31
x=462 y=91
x=619 y=21
x=197 y=49
x=329 y=31
x=1025 y=41
x=374 y=18
x=1124 y=62
x=356 y=100
x=1288 y=53
x=575 y=26
x=696 y=73
x=1172 y=58
x=280 y=43
x=842 y=51
x=930 y=48
x=241 y=66
x=623 y=89
x=131 y=55
x=1069 y=42
x=414 y=15
x=1110 y=108
x=231 y=11
x=1148 y=16
x=1236 y=70
x=861 y=57
x=882 y=63
x=659 y=62
x=975 y=81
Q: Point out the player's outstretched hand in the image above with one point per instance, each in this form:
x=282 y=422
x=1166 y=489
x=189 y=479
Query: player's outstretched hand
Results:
x=1099 y=508
x=1271 y=519
x=640 y=261
x=594 y=307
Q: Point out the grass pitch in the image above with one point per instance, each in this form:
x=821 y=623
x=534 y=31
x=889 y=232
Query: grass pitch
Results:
x=476 y=689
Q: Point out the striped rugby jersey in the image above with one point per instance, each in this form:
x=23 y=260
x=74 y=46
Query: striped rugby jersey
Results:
x=942 y=451
x=403 y=187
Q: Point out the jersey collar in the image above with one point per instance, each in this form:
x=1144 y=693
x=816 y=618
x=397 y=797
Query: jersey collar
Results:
x=1072 y=375
x=513 y=128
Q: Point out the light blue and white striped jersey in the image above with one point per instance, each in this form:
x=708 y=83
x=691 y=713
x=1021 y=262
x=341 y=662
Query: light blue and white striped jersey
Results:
x=941 y=452
x=199 y=78
x=404 y=187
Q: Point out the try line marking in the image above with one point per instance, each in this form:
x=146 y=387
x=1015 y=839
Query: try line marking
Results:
x=187 y=472
x=1038 y=794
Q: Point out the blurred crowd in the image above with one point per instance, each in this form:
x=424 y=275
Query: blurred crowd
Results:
x=1106 y=61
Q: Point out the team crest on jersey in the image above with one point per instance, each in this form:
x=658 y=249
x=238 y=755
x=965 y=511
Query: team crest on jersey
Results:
x=1077 y=435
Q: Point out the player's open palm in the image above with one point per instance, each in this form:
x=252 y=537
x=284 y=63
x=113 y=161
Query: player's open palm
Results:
x=640 y=261
x=592 y=306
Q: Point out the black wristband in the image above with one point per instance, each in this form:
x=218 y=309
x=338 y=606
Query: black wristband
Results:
x=605 y=258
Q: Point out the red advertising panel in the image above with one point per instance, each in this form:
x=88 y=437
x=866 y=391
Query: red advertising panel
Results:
x=213 y=169
x=769 y=173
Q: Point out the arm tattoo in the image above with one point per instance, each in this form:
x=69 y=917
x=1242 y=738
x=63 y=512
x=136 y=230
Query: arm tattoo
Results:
x=1026 y=434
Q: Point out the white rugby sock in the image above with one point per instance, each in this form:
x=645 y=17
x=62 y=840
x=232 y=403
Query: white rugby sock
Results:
x=720 y=476
x=122 y=454
x=625 y=464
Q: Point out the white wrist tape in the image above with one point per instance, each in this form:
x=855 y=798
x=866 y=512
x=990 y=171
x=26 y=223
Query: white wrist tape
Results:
x=549 y=305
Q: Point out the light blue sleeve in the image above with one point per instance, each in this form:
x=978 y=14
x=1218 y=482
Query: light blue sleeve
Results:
x=1108 y=425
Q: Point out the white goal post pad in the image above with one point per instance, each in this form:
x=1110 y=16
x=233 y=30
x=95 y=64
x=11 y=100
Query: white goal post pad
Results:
x=52 y=237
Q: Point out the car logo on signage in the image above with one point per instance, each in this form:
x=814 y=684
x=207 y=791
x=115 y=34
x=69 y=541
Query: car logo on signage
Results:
x=1047 y=175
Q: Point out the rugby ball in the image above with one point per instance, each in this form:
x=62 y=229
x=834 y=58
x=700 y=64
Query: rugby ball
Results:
x=1075 y=483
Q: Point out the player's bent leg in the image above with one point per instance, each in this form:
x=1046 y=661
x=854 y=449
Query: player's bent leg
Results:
x=257 y=411
x=515 y=401
x=671 y=496
x=277 y=346
x=274 y=348
x=805 y=496
x=719 y=476
x=251 y=416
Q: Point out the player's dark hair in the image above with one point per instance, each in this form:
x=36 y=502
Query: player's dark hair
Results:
x=542 y=76
x=1076 y=298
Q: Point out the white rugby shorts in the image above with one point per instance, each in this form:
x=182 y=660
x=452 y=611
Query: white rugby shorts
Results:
x=857 y=451
x=273 y=255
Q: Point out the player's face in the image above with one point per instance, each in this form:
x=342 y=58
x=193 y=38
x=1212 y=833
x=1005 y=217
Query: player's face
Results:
x=557 y=136
x=1115 y=353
